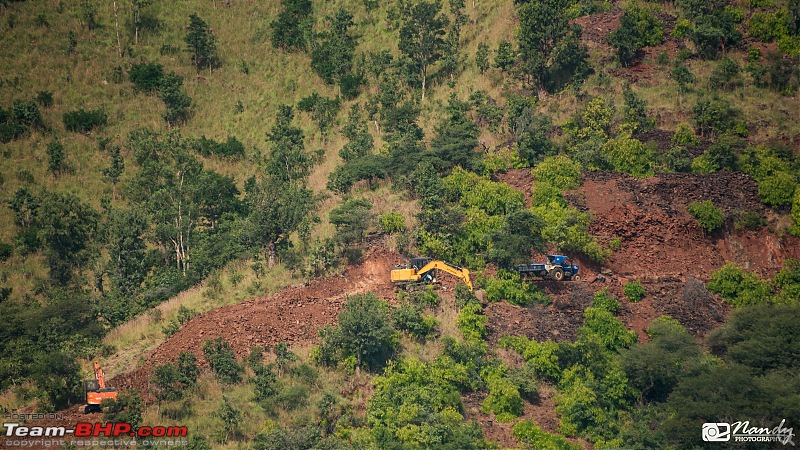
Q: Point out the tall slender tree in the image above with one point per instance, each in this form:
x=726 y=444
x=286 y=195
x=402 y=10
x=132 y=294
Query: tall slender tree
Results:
x=421 y=37
x=202 y=44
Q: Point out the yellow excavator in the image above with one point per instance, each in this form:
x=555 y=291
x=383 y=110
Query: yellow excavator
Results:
x=423 y=270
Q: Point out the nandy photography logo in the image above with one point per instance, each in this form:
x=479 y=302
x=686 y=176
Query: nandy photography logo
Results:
x=743 y=432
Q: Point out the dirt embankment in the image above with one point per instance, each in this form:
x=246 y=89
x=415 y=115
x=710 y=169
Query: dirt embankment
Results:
x=293 y=316
x=662 y=246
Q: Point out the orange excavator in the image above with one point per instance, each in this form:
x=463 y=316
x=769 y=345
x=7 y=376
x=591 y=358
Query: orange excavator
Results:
x=97 y=391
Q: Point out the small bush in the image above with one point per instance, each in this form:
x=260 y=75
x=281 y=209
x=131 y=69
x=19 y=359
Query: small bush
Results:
x=604 y=301
x=710 y=217
x=409 y=318
x=5 y=251
x=82 y=121
x=472 y=322
x=777 y=190
x=749 y=220
x=45 y=98
x=634 y=291
x=146 y=77
x=393 y=222
x=725 y=75
x=222 y=361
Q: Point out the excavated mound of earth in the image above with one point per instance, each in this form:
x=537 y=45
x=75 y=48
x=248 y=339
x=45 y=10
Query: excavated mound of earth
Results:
x=293 y=316
x=663 y=247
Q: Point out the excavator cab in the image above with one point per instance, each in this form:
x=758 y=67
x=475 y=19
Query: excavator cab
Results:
x=97 y=391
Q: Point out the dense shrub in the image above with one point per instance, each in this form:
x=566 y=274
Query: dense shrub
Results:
x=710 y=217
x=369 y=167
x=717 y=116
x=472 y=322
x=82 y=121
x=504 y=399
x=638 y=28
x=531 y=434
x=146 y=77
x=222 y=360
x=559 y=171
x=408 y=317
x=232 y=148
x=508 y=286
x=634 y=291
x=739 y=287
x=393 y=222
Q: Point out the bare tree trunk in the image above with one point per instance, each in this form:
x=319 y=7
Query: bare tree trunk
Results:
x=136 y=26
x=271 y=254
x=116 y=27
x=423 y=85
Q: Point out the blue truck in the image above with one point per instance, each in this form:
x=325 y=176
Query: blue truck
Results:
x=557 y=267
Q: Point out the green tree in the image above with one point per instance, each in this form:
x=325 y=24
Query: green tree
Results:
x=635 y=112
x=292 y=26
x=222 y=360
x=230 y=416
x=364 y=332
x=352 y=219
x=482 y=57
x=67 y=229
x=163 y=188
x=550 y=48
x=114 y=170
x=277 y=208
x=288 y=159
x=333 y=50
x=638 y=28
x=123 y=236
x=55 y=156
x=174 y=96
x=656 y=367
x=684 y=77
x=202 y=44
x=421 y=36
x=505 y=57
x=456 y=139
x=138 y=5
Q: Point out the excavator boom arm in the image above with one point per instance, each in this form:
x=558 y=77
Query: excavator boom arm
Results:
x=449 y=268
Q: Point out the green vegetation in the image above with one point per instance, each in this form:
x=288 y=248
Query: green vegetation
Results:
x=364 y=333
x=222 y=360
x=738 y=287
x=634 y=291
x=638 y=28
x=709 y=216
x=164 y=158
